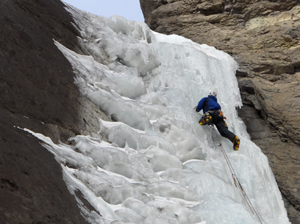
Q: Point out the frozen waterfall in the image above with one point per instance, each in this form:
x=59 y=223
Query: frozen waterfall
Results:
x=158 y=165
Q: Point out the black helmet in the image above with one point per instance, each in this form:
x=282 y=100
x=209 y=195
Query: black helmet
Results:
x=212 y=94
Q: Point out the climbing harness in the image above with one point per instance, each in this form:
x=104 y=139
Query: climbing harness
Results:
x=236 y=180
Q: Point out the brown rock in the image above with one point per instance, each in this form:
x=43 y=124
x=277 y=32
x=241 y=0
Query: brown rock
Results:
x=264 y=38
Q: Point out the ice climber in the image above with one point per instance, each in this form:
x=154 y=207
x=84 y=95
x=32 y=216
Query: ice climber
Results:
x=212 y=114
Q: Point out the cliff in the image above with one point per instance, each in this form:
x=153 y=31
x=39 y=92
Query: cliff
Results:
x=37 y=92
x=264 y=38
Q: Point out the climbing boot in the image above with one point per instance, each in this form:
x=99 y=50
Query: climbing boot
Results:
x=236 y=143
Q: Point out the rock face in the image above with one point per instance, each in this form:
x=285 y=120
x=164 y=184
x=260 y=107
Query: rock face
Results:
x=264 y=38
x=37 y=92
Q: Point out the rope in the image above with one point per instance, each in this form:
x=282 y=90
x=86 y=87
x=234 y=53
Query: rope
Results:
x=235 y=179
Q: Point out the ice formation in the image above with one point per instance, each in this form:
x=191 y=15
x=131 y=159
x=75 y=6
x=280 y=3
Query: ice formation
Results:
x=159 y=165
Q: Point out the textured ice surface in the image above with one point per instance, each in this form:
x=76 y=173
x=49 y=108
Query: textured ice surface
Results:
x=160 y=165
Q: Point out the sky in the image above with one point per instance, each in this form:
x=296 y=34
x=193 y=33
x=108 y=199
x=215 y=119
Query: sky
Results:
x=130 y=9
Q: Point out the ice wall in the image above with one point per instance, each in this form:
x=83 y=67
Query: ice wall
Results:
x=160 y=165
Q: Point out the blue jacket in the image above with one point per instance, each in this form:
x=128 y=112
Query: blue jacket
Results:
x=208 y=103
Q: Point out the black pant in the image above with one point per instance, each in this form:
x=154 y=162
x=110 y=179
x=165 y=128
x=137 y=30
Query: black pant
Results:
x=221 y=126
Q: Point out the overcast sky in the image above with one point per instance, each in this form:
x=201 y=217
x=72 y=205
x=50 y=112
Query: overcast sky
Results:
x=130 y=9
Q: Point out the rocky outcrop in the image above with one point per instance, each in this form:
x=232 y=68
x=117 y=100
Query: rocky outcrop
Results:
x=264 y=38
x=38 y=92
